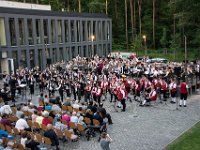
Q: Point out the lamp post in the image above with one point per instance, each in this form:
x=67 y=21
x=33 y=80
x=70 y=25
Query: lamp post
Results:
x=92 y=38
x=145 y=43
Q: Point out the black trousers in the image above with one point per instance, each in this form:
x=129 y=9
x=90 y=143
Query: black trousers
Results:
x=61 y=95
x=123 y=101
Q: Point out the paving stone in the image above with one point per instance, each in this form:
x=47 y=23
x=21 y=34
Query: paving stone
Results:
x=142 y=128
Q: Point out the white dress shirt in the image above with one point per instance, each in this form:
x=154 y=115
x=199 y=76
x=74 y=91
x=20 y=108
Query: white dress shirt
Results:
x=21 y=124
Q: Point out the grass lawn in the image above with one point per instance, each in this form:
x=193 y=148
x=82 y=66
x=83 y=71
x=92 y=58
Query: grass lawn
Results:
x=190 y=140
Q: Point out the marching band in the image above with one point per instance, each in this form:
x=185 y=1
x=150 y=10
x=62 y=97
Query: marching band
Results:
x=98 y=77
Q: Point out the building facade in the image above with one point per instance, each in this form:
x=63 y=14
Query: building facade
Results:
x=37 y=37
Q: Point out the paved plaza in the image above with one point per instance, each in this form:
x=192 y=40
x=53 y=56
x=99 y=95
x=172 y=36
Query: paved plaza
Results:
x=143 y=128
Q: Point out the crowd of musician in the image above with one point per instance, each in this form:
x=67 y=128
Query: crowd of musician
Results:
x=95 y=79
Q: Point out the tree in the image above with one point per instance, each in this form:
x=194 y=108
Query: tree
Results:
x=163 y=41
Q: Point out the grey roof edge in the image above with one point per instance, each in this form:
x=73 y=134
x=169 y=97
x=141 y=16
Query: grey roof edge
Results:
x=51 y=13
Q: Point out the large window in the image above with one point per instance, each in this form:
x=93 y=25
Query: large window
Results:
x=2 y=32
x=84 y=51
x=78 y=31
x=54 y=55
x=15 y=57
x=99 y=30
x=73 y=52
x=21 y=31
x=94 y=30
x=66 y=31
x=60 y=40
x=89 y=30
x=108 y=30
x=32 y=58
x=103 y=31
x=53 y=31
x=61 y=54
x=38 y=31
x=40 y=59
x=23 y=60
x=72 y=31
x=84 y=32
x=45 y=26
x=30 y=31
x=12 y=32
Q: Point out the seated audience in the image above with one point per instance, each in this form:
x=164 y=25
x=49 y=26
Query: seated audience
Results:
x=5 y=120
x=22 y=124
x=50 y=133
x=46 y=120
x=32 y=144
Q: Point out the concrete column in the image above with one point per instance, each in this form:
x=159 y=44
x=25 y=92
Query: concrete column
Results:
x=34 y=42
x=27 y=43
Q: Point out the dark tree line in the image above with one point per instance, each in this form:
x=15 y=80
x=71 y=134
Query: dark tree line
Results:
x=164 y=22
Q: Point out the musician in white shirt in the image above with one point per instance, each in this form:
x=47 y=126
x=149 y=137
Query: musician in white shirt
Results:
x=173 y=90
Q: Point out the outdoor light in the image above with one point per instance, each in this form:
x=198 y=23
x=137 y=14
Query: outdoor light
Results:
x=145 y=43
x=92 y=37
x=144 y=37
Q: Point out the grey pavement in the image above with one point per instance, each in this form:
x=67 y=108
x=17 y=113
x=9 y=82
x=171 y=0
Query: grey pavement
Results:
x=143 y=128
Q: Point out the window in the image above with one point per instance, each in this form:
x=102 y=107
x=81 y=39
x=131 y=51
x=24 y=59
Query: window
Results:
x=99 y=30
x=3 y=32
x=84 y=51
x=83 y=32
x=23 y=62
x=45 y=28
x=30 y=31
x=38 y=31
x=89 y=28
x=53 y=31
x=72 y=31
x=60 y=40
x=40 y=59
x=94 y=30
x=21 y=31
x=61 y=54
x=32 y=58
x=66 y=31
x=15 y=57
x=103 y=31
x=108 y=30
x=54 y=55
x=73 y=52
x=12 y=32
x=78 y=31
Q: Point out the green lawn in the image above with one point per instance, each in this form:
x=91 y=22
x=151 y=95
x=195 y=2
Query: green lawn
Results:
x=190 y=140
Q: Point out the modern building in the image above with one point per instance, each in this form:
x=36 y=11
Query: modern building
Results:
x=38 y=37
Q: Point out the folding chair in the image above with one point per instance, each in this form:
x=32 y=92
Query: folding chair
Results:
x=70 y=136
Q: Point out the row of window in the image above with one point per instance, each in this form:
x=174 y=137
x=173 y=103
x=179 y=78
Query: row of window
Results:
x=38 y=57
x=54 y=31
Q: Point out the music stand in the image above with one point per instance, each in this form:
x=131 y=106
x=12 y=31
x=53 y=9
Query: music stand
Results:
x=23 y=87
